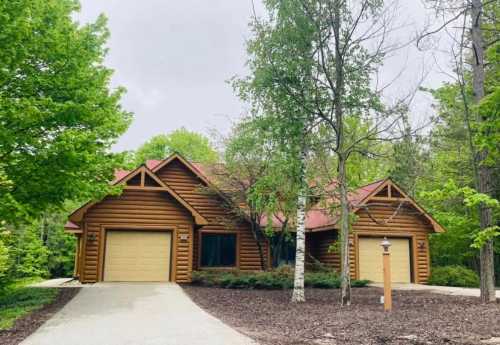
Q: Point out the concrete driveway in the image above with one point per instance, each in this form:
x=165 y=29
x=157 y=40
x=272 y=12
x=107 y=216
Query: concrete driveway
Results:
x=134 y=314
x=444 y=290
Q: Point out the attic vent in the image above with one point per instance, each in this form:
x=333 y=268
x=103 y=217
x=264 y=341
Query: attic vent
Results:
x=134 y=181
x=395 y=193
x=150 y=182
x=383 y=193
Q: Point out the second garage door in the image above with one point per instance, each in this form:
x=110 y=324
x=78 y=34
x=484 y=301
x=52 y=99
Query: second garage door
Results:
x=370 y=259
x=137 y=256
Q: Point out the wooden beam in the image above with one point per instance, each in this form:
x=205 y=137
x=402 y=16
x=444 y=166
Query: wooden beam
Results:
x=383 y=198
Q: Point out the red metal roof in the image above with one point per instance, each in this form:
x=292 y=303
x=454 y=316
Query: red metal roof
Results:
x=120 y=173
x=71 y=225
x=152 y=163
x=315 y=218
x=320 y=218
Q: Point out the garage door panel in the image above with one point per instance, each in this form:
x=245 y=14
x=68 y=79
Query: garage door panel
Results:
x=370 y=259
x=137 y=256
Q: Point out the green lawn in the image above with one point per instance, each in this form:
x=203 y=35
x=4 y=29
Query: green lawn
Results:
x=18 y=299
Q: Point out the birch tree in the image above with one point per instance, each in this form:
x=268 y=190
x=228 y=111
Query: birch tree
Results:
x=278 y=87
x=316 y=58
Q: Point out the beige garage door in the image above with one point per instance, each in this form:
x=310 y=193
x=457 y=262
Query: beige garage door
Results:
x=370 y=259
x=137 y=256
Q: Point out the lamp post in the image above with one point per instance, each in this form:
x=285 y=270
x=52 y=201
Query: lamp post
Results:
x=387 y=274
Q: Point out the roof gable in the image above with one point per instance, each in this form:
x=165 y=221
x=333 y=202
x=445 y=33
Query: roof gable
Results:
x=195 y=168
x=147 y=180
x=396 y=193
x=318 y=218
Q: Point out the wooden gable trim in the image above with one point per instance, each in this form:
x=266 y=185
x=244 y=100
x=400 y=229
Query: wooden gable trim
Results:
x=392 y=185
x=199 y=219
x=77 y=215
x=184 y=161
x=198 y=174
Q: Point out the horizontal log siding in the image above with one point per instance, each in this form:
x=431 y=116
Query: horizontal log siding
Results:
x=407 y=221
x=135 y=209
x=322 y=242
x=190 y=188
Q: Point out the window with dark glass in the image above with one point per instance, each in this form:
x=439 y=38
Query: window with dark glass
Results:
x=283 y=250
x=218 y=250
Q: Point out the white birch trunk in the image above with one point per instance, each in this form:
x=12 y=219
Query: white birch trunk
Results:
x=298 y=283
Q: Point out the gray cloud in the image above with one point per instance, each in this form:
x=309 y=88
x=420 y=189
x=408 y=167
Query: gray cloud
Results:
x=174 y=58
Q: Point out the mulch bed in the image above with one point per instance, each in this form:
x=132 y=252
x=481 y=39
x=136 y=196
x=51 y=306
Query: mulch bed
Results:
x=29 y=323
x=418 y=317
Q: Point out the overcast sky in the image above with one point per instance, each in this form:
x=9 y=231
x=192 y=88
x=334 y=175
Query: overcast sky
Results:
x=175 y=57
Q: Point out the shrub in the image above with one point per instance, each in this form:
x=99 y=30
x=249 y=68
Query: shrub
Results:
x=4 y=264
x=281 y=278
x=454 y=276
x=359 y=283
x=325 y=280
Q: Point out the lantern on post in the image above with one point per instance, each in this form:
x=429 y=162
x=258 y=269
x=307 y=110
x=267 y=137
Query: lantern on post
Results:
x=386 y=256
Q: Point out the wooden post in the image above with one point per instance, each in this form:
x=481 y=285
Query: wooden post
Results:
x=77 y=256
x=387 y=281
x=386 y=255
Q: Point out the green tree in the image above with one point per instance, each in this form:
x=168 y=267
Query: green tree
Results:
x=254 y=175
x=281 y=50
x=477 y=81
x=58 y=116
x=311 y=70
x=5 y=262
x=194 y=146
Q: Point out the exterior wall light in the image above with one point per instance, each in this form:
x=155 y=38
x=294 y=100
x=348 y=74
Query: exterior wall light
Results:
x=385 y=244
x=91 y=237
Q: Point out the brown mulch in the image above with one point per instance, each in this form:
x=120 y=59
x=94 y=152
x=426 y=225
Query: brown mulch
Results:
x=29 y=323
x=418 y=317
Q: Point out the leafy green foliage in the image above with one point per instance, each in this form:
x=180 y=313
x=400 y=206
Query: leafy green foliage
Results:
x=27 y=252
x=58 y=116
x=454 y=276
x=194 y=146
x=17 y=300
x=471 y=199
x=281 y=278
x=4 y=263
x=40 y=248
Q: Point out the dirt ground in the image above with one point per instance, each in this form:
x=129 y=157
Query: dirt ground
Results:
x=29 y=323
x=418 y=317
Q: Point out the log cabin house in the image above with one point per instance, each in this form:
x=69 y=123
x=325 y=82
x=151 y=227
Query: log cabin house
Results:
x=163 y=226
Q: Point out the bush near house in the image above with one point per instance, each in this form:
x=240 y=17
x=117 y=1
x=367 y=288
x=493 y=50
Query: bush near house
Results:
x=454 y=276
x=281 y=278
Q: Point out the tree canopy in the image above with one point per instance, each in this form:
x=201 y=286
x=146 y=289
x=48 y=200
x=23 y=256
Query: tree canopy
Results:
x=58 y=115
x=194 y=146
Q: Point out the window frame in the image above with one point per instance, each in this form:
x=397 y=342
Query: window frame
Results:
x=219 y=232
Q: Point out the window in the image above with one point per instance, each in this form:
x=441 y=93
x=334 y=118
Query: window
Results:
x=218 y=250
x=283 y=250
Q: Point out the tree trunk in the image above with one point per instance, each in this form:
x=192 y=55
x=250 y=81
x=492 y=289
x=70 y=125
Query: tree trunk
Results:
x=485 y=173
x=257 y=231
x=345 y=296
x=344 y=234
x=298 y=283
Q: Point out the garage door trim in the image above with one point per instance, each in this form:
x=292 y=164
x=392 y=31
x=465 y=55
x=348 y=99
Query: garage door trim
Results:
x=117 y=227
x=389 y=235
